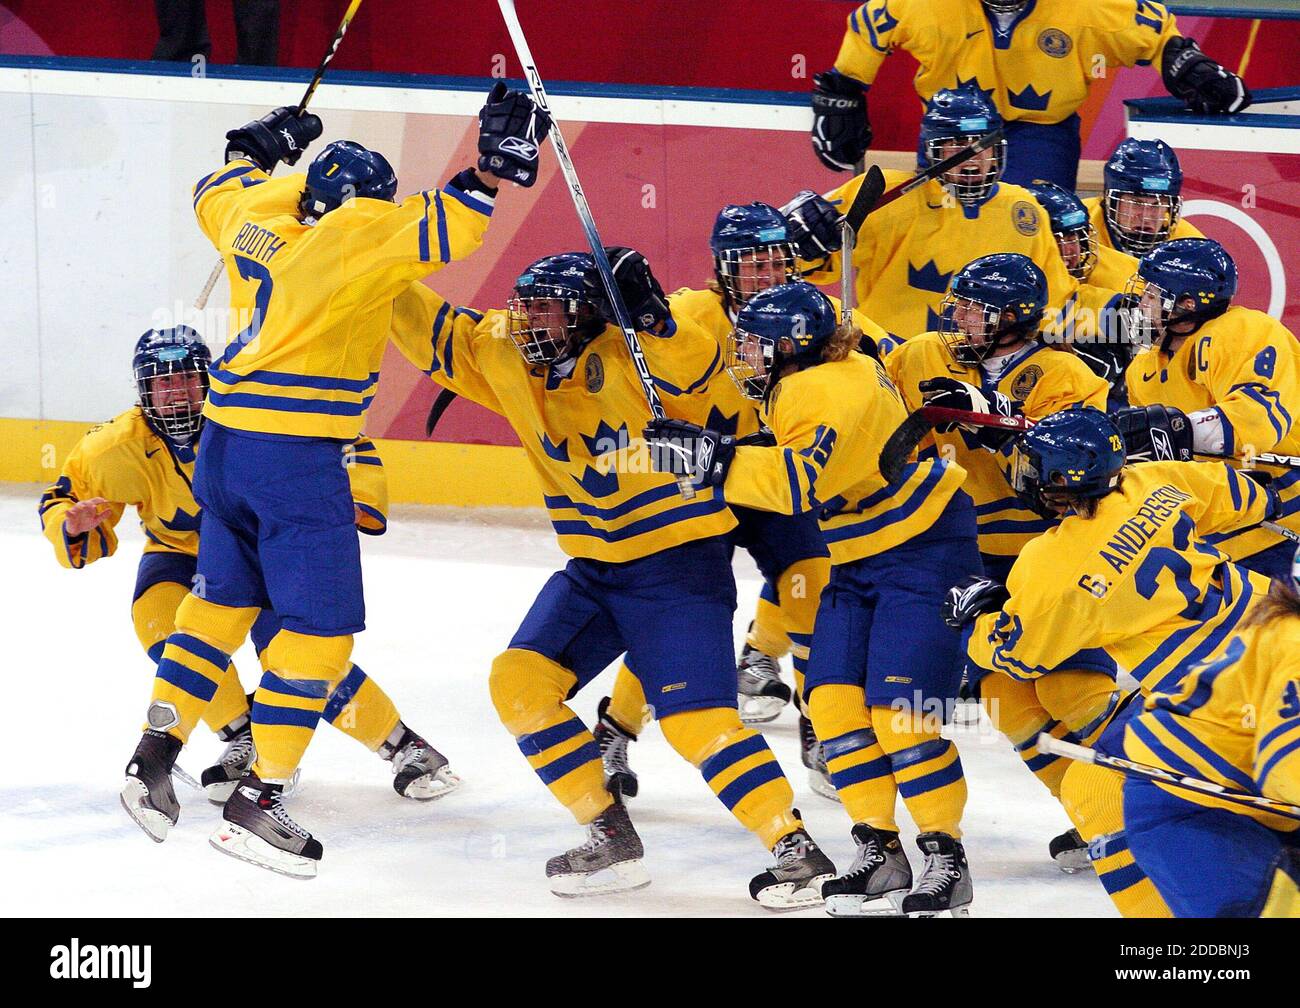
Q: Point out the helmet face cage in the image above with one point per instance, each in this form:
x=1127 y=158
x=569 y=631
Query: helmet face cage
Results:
x=1086 y=256
x=1152 y=308
x=971 y=186
x=959 y=339
x=176 y=409
x=744 y=272
x=750 y=358
x=547 y=344
x=1137 y=241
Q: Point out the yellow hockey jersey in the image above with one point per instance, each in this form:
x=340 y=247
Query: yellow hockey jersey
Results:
x=311 y=306
x=908 y=251
x=127 y=464
x=830 y=422
x=1246 y=366
x=1045 y=379
x=1137 y=582
x=1234 y=719
x=580 y=426
x=722 y=406
x=1113 y=268
x=1039 y=71
x=1097 y=218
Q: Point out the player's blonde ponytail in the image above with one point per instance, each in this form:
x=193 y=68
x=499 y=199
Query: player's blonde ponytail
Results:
x=845 y=339
x=1282 y=601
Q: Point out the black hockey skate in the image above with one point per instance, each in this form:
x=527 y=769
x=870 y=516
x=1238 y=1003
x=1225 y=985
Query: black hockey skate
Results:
x=795 y=881
x=257 y=829
x=879 y=879
x=810 y=751
x=609 y=862
x=147 y=794
x=1070 y=852
x=613 y=740
x=236 y=759
x=420 y=771
x=945 y=884
x=760 y=693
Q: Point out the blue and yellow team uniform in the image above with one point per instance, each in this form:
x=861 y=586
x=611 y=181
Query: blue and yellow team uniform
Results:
x=1046 y=380
x=908 y=251
x=894 y=550
x=1097 y=218
x=1137 y=586
x=127 y=464
x=1036 y=67
x=1246 y=366
x=1233 y=720
x=650 y=574
x=311 y=310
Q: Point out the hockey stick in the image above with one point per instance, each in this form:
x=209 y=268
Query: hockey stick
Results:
x=864 y=201
x=621 y=317
x=938 y=169
x=202 y=300
x=445 y=398
x=1057 y=747
x=912 y=431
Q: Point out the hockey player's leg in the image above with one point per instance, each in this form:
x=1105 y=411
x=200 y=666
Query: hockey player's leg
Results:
x=191 y=668
x=1015 y=710
x=760 y=692
x=1093 y=799
x=620 y=718
x=528 y=691
x=740 y=768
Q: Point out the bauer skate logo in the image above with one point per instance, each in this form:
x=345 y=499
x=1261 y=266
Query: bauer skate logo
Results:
x=75 y=961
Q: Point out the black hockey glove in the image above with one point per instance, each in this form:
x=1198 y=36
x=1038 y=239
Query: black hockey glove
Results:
x=841 y=132
x=950 y=393
x=972 y=598
x=1155 y=433
x=687 y=449
x=642 y=295
x=1201 y=82
x=278 y=136
x=814 y=226
x=1273 y=506
x=511 y=129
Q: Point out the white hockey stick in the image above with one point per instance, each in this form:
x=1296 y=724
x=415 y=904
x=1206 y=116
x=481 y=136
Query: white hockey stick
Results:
x=621 y=316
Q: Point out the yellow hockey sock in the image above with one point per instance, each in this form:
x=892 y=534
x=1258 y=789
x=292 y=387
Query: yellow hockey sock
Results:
x=927 y=769
x=737 y=764
x=301 y=672
x=767 y=630
x=627 y=704
x=860 y=769
x=1015 y=709
x=528 y=691
x=360 y=709
x=801 y=587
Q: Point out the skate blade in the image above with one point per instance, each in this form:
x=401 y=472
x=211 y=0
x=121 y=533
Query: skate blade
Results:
x=220 y=793
x=759 y=709
x=821 y=786
x=622 y=877
x=961 y=911
x=240 y=843
x=154 y=823
x=850 y=905
x=433 y=786
x=788 y=896
x=1073 y=861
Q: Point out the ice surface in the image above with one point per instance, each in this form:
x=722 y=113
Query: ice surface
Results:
x=445 y=590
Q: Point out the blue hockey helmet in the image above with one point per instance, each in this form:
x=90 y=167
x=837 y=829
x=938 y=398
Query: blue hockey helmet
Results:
x=558 y=307
x=1142 y=200
x=964 y=115
x=1073 y=231
x=787 y=324
x=995 y=303
x=1076 y=454
x=171 y=380
x=342 y=170
x=1185 y=269
x=751 y=250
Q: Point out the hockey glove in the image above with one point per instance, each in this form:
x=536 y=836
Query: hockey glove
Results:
x=687 y=449
x=841 y=133
x=950 y=393
x=1273 y=506
x=972 y=598
x=1195 y=78
x=814 y=226
x=511 y=129
x=641 y=293
x=1155 y=433
x=278 y=136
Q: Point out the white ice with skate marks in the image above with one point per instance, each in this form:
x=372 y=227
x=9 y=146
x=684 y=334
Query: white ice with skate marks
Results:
x=445 y=590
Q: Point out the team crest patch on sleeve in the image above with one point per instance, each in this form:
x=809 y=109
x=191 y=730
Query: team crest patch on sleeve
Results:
x=1055 y=43
x=1025 y=381
x=595 y=373
x=1024 y=215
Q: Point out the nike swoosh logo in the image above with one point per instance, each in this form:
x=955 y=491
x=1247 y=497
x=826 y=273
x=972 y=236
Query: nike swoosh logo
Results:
x=977 y=31
x=1148 y=377
x=151 y=454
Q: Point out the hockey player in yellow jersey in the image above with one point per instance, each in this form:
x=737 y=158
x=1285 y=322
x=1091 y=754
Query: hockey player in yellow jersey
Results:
x=315 y=264
x=1141 y=203
x=908 y=250
x=649 y=574
x=144 y=458
x=882 y=667
x=1227 y=379
x=1234 y=720
x=1126 y=578
x=1035 y=59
